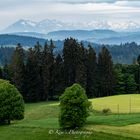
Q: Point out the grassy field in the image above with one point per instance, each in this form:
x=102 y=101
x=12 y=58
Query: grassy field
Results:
x=41 y=123
x=118 y=104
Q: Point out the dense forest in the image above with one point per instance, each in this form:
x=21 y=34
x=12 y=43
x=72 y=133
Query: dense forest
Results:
x=40 y=74
x=123 y=53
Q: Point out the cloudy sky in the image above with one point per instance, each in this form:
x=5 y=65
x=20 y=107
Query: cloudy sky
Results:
x=69 y=10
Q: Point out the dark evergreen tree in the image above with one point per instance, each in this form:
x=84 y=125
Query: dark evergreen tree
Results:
x=1 y=75
x=105 y=73
x=32 y=77
x=70 y=52
x=74 y=59
x=138 y=73
x=38 y=51
x=91 y=64
x=6 y=72
x=58 y=76
x=120 y=83
x=130 y=84
x=48 y=70
x=81 y=75
x=17 y=69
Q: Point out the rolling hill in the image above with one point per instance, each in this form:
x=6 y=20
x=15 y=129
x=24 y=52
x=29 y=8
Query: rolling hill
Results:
x=120 y=103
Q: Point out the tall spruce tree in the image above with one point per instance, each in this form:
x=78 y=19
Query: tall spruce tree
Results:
x=130 y=84
x=70 y=52
x=38 y=50
x=138 y=73
x=1 y=75
x=81 y=75
x=6 y=72
x=91 y=64
x=105 y=73
x=32 y=77
x=48 y=70
x=18 y=69
x=120 y=83
x=74 y=68
x=58 y=76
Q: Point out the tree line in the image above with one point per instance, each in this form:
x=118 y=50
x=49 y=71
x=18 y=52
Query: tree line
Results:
x=124 y=53
x=41 y=75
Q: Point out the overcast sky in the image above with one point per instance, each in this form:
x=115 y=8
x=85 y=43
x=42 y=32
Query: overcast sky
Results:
x=69 y=10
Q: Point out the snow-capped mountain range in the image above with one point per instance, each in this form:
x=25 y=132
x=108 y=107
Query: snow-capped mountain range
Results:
x=47 y=25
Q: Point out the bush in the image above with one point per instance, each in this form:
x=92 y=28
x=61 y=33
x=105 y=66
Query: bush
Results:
x=11 y=103
x=74 y=106
x=106 y=110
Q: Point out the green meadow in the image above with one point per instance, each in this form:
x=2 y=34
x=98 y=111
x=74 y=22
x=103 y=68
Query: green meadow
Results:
x=41 y=121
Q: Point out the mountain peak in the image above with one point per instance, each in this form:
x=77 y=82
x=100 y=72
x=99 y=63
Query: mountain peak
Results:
x=49 y=25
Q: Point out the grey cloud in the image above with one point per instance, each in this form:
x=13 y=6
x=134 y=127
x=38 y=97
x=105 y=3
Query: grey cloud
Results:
x=91 y=1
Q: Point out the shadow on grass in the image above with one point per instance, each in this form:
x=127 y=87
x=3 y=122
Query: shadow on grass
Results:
x=99 y=118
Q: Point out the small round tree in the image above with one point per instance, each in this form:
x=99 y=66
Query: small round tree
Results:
x=74 y=106
x=11 y=103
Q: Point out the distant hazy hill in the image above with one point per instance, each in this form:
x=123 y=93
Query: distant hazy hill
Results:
x=6 y=39
x=94 y=36
x=97 y=36
x=82 y=34
x=129 y=37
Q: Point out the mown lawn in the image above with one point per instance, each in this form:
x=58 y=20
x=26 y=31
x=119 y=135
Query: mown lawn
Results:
x=41 y=119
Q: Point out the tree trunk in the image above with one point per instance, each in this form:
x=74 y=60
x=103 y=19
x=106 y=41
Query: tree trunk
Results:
x=9 y=122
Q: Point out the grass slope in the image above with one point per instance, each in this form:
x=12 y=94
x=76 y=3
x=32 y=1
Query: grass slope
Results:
x=41 y=118
x=118 y=104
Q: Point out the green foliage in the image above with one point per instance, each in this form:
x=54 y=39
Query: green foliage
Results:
x=130 y=84
x=105 y=73
x=74 y=106
x=126 y=79
x=119 y=89
x=48 y=70
x=58 y=76
x=18 y=68
x=91 y=87
x=11 y=103
x=40 y=75
x=106 y=110
x=32 y=77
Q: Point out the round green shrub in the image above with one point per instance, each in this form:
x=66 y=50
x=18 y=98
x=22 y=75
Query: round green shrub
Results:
x=11 y=103
x=74 y=106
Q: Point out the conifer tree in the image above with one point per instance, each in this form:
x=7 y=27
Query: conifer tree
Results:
x=70 y=52
x=81 y=75
x=38 y=51
x=130 y=84
x=91 y=72
x=58 y=76
x=48 y=70
x=105 y=73
x=74 y=63
x=120 y=83
x=32 y=77
x=1 y=75
x=18 y=69
x=6 y=72
x=138 y=73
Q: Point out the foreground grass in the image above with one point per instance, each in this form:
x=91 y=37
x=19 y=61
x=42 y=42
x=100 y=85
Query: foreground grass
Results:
x=30 y=133
x=41 y=118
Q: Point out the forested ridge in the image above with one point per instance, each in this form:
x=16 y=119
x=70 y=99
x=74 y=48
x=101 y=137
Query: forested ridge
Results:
x=124 y=53
x=40 y=74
